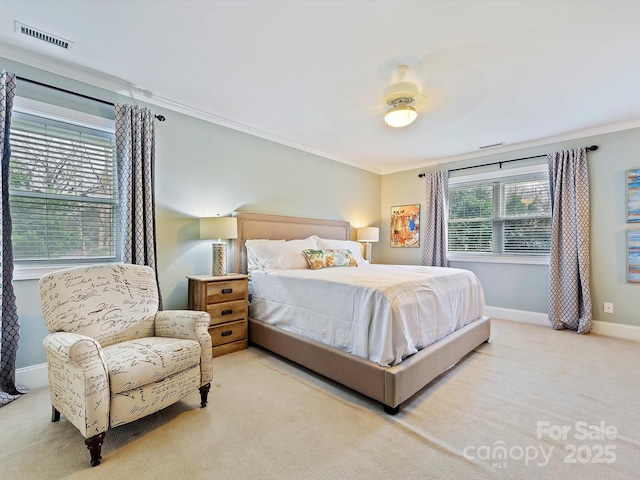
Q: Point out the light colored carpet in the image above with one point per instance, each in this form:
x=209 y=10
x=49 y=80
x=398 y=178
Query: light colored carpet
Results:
x=270 y=419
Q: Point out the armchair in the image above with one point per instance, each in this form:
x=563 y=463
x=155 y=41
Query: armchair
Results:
x=112 y=356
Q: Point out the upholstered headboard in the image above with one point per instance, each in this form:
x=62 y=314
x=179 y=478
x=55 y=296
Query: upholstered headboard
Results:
x=278 y=227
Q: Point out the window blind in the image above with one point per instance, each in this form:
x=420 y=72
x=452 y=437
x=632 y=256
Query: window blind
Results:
x=63 y=195
x=527 y=216
x=471 y=218
x=511 y=215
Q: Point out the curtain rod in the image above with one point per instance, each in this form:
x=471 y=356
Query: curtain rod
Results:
x=160 y=118
x=420 y=175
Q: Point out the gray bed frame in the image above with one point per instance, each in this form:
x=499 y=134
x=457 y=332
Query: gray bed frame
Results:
x=389 y=385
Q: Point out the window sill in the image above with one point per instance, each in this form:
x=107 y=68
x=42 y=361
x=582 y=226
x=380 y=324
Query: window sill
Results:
x=35 y=272
x=491 y=258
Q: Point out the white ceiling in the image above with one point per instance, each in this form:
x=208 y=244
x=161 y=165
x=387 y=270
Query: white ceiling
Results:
x=310 y=74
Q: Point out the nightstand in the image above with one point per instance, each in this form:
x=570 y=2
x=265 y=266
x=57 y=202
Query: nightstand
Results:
x=225 y=299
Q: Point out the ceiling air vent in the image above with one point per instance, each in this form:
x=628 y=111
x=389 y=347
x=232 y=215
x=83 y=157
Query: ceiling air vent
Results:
x=492 y=145
x=40 y=35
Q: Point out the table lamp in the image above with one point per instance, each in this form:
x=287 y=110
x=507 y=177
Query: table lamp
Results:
x=368 y=235
x=220 y=228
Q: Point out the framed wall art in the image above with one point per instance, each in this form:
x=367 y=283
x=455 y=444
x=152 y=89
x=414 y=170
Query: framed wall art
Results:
x=405 y=226
x=633 y=195
x=633 y=256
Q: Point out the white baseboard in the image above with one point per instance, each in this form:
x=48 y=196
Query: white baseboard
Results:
x=610 y=329
x=34 y=376
x=619 y=330
x=522 y=316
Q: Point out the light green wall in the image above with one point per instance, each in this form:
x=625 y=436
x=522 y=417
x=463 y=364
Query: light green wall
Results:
x=524 y=287
x=203 y=169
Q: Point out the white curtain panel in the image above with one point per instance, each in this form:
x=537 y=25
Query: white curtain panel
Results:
x=569 y=280
x=434 y=252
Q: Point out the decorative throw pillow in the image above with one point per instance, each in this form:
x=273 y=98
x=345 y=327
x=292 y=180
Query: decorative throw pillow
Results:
x=356 y=248
x=329 y=258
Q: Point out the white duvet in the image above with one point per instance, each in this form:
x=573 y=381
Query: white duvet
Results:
x=380 y=312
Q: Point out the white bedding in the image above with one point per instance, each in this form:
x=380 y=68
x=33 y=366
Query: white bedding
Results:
x=380 y=312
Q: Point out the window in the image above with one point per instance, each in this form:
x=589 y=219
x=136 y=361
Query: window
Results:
x=63 y=198
x=506 y=215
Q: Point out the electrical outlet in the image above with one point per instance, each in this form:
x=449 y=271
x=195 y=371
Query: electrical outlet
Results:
x=608 y=307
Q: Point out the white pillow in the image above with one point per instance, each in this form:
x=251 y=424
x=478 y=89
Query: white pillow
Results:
x=281 y=255
x=356 y=248
x=252 y=264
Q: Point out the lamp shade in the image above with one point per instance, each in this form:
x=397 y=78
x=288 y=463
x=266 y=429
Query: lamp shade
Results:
x=400 y=115
x=368 y=234
x=219 y=227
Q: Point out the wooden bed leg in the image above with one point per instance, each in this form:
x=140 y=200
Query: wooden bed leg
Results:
x=55 y=414
x=94 y=444
x=204 y=393
x=391 y=410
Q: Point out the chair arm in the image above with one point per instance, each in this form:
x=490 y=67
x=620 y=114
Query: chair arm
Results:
x=191 y=325
x=74 y=348
x=78 y=381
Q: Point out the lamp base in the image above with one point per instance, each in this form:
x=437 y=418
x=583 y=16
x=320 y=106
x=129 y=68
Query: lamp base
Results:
x=219 y=264
x=367 y=252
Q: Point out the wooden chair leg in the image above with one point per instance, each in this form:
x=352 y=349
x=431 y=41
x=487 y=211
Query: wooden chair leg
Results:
x=94 y=444
x=204 y=393
x=55 y=414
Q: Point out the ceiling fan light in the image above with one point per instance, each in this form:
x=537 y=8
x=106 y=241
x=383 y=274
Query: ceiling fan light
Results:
x=400 y=115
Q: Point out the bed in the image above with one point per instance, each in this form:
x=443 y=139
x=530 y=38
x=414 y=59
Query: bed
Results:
x=389 y=382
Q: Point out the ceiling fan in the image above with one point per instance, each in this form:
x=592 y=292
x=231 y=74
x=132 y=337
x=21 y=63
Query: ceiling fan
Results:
x=402 y=97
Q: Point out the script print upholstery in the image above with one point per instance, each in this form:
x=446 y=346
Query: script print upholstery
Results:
x=112 y=356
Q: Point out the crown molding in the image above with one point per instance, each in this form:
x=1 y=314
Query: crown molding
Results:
x=225 y=122
x=617 y=127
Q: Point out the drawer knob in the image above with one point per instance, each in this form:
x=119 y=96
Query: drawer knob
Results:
x=226 y=312
x=227 y=290
x=226 y=333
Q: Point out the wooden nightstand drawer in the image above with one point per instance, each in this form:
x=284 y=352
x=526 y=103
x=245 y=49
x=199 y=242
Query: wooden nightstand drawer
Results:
x=226 y=291
x=224 y=298
x=227 y=312
x=228 y=333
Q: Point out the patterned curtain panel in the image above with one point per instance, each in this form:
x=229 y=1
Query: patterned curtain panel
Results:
x=434 y=252
x=135 y=158
x=569 y=290
x=9 y=391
